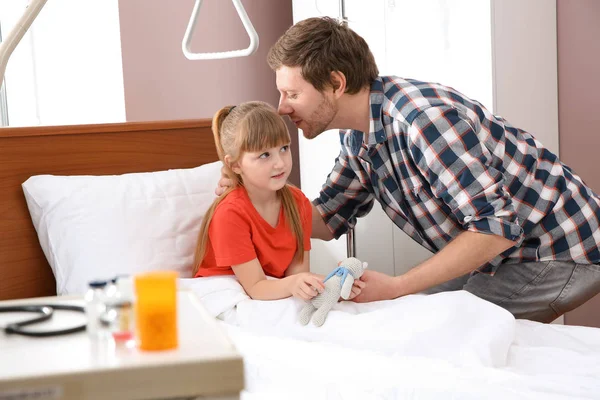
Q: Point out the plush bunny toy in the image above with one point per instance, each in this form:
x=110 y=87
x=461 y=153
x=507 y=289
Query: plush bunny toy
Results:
x=337 y=284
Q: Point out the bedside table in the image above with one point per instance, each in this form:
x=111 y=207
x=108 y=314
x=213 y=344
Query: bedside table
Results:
x=205 y=364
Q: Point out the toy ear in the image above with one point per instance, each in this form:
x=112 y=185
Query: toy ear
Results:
x=365 y=265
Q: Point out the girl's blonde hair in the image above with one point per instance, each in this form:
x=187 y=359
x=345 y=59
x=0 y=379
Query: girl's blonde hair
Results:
x=250 y=127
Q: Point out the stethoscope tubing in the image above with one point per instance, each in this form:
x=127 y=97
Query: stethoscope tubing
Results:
x=45 y=312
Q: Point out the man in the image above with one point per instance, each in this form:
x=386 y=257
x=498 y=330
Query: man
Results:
x=507 y=220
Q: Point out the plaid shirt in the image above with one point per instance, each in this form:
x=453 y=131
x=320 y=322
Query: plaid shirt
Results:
x=440 y=163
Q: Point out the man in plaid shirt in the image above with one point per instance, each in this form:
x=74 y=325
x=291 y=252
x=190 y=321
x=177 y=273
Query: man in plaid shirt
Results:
x=507 y=220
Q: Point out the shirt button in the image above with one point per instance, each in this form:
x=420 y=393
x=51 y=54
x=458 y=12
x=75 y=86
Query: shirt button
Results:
x=468 y=219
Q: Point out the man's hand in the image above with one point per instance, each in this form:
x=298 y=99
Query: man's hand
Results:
x=224 y=183
x=376 y=286
x=357 y=288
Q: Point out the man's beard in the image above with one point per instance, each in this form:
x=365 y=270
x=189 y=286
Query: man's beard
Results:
x=320 y=119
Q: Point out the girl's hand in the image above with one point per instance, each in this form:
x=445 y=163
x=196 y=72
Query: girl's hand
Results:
x=305 y=285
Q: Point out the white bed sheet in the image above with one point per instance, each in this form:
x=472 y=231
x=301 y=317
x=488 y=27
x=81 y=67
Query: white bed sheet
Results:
x=448 y=345
x=279 y=368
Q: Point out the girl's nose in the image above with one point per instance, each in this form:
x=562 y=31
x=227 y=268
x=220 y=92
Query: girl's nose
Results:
x=278 y=161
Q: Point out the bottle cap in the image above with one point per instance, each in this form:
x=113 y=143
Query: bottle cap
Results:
x=97 y=284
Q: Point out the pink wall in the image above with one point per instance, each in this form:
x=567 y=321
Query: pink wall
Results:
x=579 y=107
x=161 y=84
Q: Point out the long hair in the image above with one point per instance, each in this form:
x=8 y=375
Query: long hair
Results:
x=250 y=127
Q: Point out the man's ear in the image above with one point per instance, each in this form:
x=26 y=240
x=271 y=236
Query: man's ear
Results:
x=234 y=166
x=338 y=83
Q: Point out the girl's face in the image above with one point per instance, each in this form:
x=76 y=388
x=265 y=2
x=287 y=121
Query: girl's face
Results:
x=266 y=170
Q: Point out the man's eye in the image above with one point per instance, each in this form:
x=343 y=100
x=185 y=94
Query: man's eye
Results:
x=293 y=96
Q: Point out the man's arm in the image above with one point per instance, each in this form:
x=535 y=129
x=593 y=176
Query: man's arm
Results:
x=467 y=252
x=343 y=198
x=319 y=227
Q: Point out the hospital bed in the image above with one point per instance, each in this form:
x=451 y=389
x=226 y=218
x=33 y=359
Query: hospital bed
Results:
x=449 y=345
x=72 y=366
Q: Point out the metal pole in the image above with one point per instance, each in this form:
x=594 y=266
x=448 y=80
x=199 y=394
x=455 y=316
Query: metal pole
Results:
x=350 y=239
x=342 y=8
x=350 y=243
x=3 y=105
x=18 y=31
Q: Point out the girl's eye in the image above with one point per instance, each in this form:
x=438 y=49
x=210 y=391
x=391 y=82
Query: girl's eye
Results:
x=264 y=155
x=285 y=148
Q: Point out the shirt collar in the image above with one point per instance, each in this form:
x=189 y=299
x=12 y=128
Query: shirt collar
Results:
x=376 y=133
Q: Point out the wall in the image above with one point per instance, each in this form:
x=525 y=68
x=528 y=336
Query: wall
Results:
x=579 y=119
x=525 y=72
x=161 y=84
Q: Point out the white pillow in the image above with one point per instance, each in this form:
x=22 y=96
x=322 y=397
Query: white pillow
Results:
x=93 y=227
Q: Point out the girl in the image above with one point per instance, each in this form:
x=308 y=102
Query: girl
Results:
x=261 y=225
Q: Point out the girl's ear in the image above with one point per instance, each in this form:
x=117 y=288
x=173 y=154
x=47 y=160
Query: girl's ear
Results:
x=234 y=166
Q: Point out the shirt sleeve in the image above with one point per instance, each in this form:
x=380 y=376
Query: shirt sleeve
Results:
x=462 y=172
x=230 y=237
x=343 y=197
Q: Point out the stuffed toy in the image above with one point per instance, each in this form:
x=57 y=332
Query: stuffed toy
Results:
x=337 y=284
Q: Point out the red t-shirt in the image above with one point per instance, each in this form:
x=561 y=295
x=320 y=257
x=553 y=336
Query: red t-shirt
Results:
x=238 y=234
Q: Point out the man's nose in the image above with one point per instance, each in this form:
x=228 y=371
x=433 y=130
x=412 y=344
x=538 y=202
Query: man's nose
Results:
x=284 y=108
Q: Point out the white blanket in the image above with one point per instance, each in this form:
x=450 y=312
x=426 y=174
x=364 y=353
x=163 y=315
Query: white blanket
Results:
x=448 y=345
x=279 y=368
x=456 y=327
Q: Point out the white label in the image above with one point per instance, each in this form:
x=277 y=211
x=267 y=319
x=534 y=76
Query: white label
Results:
x=41 y=393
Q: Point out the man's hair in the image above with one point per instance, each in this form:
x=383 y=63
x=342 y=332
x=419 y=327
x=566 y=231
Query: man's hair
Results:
x=322 y=45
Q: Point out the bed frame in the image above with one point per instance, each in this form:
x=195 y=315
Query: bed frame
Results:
x=103 y=149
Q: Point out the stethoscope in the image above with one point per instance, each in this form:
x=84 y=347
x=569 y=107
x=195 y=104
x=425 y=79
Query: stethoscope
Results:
x=45 y=312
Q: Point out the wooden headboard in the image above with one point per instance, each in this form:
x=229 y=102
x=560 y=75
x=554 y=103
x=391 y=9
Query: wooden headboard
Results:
x=104 y=149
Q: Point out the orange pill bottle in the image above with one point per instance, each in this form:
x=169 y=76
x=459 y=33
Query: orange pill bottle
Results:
x=156 y=310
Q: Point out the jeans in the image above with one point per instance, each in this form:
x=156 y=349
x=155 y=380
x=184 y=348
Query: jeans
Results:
x=539 y=291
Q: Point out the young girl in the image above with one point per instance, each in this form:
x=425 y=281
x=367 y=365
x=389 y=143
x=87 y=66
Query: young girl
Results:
x=261 y=225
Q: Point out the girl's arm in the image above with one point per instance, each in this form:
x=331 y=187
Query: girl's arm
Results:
x=303 y=284
x=304 y=266
x=298 y=267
